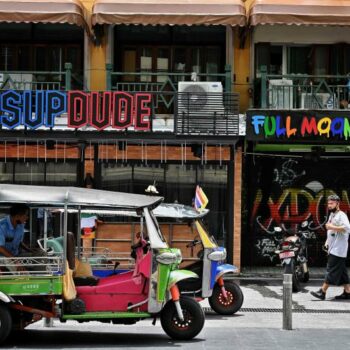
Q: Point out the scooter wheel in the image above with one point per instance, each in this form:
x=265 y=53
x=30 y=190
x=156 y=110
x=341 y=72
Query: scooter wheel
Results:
x=191 y=325
x=305 y=277
x=230 y=305
x=5 y=322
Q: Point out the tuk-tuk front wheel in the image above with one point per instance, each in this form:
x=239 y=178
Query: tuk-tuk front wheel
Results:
x=5 y=322
x=229 y=305
x=191 y=325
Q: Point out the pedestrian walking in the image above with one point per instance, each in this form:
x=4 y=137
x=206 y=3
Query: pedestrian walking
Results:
x=338 y=229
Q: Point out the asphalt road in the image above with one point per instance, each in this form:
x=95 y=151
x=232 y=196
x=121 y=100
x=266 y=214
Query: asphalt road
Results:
x=316 y=325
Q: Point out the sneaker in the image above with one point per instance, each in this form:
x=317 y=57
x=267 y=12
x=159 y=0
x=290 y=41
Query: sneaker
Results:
x=320 y=294
x=343 y=296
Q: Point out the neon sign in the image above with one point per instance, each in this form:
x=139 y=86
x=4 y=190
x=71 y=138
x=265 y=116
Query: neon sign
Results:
x=291 y=125
x=34 y=109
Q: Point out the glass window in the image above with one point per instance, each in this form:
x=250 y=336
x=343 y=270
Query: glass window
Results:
x=117 y=177
x=30 y=173
x=269 y=56
x=213 y=180
x=61 y=174
x=146 y=63
x=196 y=60
x=212 y=63
x=163 y=57
x=6 y=172
x=180 y=183
x=299 y=59
x=145 y=176
x=321 y=60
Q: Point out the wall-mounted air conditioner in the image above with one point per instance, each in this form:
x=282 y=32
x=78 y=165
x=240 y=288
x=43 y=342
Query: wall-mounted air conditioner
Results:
x=320 y=100
x=200 y=98
x=280 y=94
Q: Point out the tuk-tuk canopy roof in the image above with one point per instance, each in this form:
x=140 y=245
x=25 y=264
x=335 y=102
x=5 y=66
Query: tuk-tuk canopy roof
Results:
x=164 y=210
x=74 y=196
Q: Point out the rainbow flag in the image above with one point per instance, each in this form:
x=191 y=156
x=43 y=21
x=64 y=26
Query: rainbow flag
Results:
x=200 y=200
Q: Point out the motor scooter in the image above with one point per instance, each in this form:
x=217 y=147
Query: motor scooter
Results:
x=292 y=250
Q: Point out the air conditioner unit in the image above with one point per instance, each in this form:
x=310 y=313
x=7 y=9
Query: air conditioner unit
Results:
x=200 y=98
x=280 y=94
x=16 y=81
x=320 y=100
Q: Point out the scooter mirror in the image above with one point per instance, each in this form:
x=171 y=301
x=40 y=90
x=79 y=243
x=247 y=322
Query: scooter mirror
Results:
x=277 y=229
x=304 y=224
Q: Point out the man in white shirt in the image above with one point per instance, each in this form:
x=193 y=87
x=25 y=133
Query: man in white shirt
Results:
x=338 y=229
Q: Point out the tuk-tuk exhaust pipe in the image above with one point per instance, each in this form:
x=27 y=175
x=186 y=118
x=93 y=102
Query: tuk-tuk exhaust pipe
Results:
x=175 y=295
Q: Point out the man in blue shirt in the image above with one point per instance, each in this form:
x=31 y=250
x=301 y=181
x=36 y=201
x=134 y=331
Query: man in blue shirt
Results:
x=12 y=231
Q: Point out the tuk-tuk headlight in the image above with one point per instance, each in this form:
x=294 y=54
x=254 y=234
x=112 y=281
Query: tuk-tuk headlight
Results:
x=167 y=258
x=217 y=255
x=178 y=256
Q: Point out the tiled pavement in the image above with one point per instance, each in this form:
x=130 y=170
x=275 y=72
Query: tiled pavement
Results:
x=277 y=271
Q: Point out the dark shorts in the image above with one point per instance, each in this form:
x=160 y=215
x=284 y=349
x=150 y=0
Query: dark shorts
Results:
x=337 y=273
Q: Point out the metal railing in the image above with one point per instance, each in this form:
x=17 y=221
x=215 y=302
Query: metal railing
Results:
x=302 y=91
x=28 y=266
x=37 y=80
x=100 y=258
x=149 y=81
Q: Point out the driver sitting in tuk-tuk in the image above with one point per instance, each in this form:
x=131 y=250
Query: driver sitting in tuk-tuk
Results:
x=12 y=231
x=11 y=237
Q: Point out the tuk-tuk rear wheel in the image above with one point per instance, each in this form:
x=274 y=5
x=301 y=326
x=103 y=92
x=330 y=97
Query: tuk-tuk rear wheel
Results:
x=191 y=325
x=5 y=322
x=229 y=305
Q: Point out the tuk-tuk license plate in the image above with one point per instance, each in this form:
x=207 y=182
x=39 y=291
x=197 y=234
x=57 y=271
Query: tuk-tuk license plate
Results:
x=286 y=255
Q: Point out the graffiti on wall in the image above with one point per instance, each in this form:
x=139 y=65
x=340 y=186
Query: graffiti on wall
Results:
x=287 y=192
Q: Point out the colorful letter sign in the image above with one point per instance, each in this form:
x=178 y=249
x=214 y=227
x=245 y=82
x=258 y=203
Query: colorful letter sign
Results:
x=297 y=125
x=33 y=109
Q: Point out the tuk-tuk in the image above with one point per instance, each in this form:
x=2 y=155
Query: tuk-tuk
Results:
x=33 y=287
x=225 y=296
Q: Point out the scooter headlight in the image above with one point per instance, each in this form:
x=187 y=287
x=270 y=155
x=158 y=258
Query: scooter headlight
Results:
x=167 y=258
x=218 y=255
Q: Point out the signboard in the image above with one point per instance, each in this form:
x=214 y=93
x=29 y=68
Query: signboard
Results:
x=310 y=125
x=97 y=110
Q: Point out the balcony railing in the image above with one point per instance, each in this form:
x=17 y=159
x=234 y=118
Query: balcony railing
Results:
x=301 y=91
x=38 y=80
x=163 y=81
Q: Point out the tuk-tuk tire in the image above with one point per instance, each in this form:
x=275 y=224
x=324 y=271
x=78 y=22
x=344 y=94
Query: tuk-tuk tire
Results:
x=169 y=313
x=5 y=322
x=231 y=288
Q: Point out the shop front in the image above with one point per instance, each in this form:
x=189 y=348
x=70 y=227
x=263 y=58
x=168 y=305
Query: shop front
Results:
x=112 y=140
x=298 y=158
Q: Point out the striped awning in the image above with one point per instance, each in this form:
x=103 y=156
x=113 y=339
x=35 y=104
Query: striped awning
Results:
x=300 y=12
x=43 y=11
x=169 y=12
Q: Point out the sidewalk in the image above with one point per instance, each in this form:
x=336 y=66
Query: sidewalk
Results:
x=277 y=272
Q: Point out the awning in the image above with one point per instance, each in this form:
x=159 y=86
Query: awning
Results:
x=169 y=12
x=300 y=12
x=41 y=11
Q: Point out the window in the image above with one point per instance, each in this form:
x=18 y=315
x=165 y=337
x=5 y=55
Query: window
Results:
x=177 y=183
x=6 y=172
x=319 y=59
x=61 y=174
x=30 y=173
x=269 y=56
x=117 y=177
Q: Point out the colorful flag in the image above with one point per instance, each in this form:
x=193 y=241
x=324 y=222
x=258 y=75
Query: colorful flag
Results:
x=200 y=200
